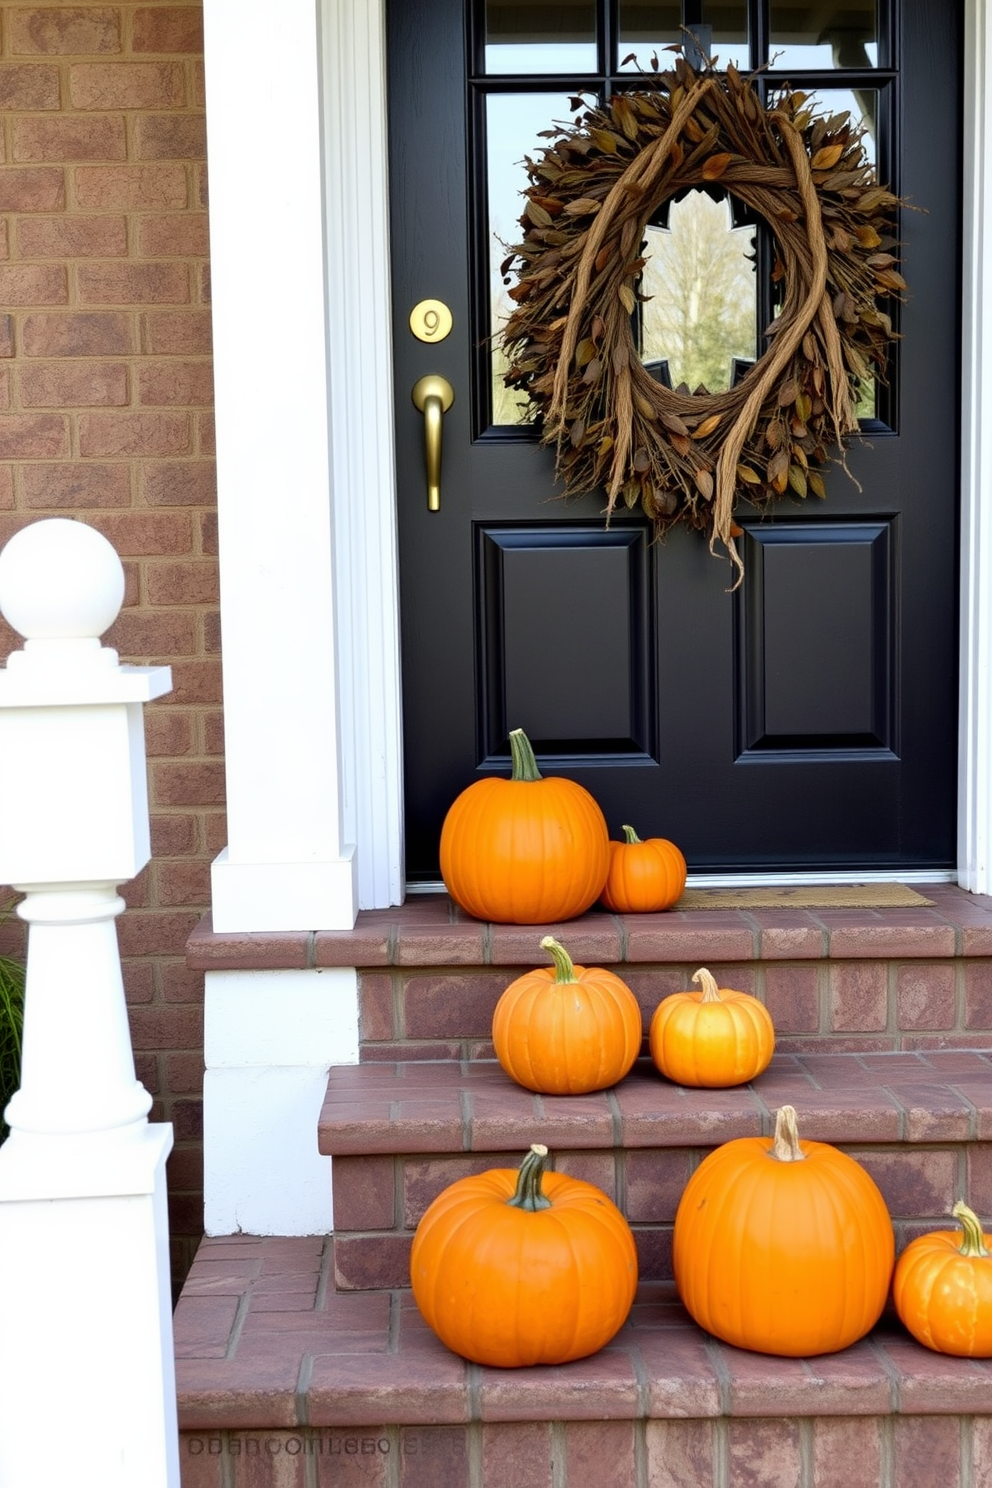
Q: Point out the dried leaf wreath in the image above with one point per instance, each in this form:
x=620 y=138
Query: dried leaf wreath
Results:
x=688 y=457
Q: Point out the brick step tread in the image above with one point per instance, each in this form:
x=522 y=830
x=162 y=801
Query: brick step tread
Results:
x=940 y=1095
x=263 y=1341
x=430 y=930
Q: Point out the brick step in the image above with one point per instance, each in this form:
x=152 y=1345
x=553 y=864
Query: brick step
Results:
x=285 y=1383
x=920 y=1122
x=429 y=976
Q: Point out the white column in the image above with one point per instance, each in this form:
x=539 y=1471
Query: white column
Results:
x=289 y=863
x=83 y=1223
x=975 y=755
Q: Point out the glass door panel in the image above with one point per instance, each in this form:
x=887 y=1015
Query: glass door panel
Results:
x=540 y=36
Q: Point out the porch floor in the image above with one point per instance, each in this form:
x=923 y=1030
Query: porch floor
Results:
x=430 y=930
x=264 y=1341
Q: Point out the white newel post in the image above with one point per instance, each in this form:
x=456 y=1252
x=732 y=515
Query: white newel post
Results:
x=87 y=1380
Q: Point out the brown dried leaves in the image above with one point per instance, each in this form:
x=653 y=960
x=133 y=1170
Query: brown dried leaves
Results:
x=590 y=197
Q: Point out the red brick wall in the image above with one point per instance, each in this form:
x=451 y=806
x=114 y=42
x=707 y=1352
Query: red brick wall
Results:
x=106 y=416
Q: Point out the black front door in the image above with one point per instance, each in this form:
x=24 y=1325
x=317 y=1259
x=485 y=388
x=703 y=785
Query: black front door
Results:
x=806 y=721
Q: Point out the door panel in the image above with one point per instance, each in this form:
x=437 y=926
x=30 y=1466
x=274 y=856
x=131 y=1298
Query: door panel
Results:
x=551 y=593
x=807 y=720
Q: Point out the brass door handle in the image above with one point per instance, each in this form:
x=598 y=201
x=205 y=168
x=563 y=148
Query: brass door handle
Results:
x=433 y=395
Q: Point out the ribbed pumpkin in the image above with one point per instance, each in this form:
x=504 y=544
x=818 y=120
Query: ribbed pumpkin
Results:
x=511 y=1268
x=943 y=1288
x=782 y=1246
x=566 y=1030
x=527 y=850
x=643 y=876
x=716 y=1037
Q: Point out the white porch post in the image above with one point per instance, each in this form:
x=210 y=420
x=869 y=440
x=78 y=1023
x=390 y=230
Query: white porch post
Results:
x=975 y=753
x=83 y=1224
x=289 y=863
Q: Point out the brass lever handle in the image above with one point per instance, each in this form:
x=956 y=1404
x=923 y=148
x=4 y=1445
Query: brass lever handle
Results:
x=433 y=395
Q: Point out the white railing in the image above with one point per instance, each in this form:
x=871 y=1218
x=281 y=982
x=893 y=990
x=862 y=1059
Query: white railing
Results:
x=87 y=1379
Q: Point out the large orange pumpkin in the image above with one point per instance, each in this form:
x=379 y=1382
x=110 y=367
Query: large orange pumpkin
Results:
x=566 y=1030
x=782 y=1246
x=943 y=1288
x=715 y=1037
x=527 y=850
x=643 y=876
x=523 y=1268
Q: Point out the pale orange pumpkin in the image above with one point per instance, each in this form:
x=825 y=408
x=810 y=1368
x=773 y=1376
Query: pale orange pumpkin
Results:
x=511 y=1269
x=716 y=1037
x=643 y=876
x=782 y=1246
x=565 y=1029
x=942 y=1288
x=530 y=850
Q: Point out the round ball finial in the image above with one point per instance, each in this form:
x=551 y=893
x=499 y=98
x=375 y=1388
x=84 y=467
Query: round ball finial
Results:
x=60 y=580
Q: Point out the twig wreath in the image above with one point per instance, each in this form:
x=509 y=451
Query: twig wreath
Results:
x=683 y=456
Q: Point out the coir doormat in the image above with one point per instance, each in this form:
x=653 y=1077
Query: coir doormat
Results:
x=818 y=896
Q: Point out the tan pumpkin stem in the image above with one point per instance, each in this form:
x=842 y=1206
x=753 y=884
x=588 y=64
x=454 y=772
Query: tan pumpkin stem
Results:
x=564 y=969
x=973 y=1243
x=785 y=1147
x=631 y=835
x=524 y=763
x=706 y=979
x=529 y=1195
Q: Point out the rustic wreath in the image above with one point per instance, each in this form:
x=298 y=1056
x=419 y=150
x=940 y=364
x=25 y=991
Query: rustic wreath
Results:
x=682 y=456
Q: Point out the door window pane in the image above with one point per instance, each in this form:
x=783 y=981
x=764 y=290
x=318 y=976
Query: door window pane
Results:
x=862 y=106
x=841 y=33
x=717 y=29
x=514 y=122
x=700 y=322
x=536 y=36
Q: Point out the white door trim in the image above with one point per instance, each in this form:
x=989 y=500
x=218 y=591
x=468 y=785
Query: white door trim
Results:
x=975 y=707
x=309 y=604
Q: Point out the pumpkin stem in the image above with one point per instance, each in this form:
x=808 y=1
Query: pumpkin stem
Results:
x=529 y=1195
x=973 y=1243
x=785 y=1147
x=706 y=979
x=631 y=835
x=524 y=763
x=564 y=968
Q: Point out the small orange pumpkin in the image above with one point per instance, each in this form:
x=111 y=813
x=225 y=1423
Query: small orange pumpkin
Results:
x=511 y=1269
x=643 y=876
x=942 y=1288
x=565 y=1029
x=525 y=851
x=782 y=1246
x=714 y=1038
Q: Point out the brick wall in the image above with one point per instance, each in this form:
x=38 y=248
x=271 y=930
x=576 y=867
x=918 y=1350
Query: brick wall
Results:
x=106 y=416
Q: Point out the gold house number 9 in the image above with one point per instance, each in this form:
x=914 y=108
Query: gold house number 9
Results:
x=430 y=320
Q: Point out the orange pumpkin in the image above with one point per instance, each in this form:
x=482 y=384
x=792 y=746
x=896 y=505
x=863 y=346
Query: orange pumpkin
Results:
x=512 y=1268
x=782 y=1246
x=943 y=1288
x=525 y=851
x=643 y=876
x=715 y=1037
x=566 y=1030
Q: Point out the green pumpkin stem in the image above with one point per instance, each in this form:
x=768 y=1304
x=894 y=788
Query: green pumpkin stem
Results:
x=564 y=968
x=706 y=979
x=529 y=1195
x=973 y=1243
x=631 y=835
x=785 y=1147
x=524 y=763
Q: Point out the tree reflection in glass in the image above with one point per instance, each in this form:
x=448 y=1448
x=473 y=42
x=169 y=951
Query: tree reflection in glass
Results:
x=701 y=319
